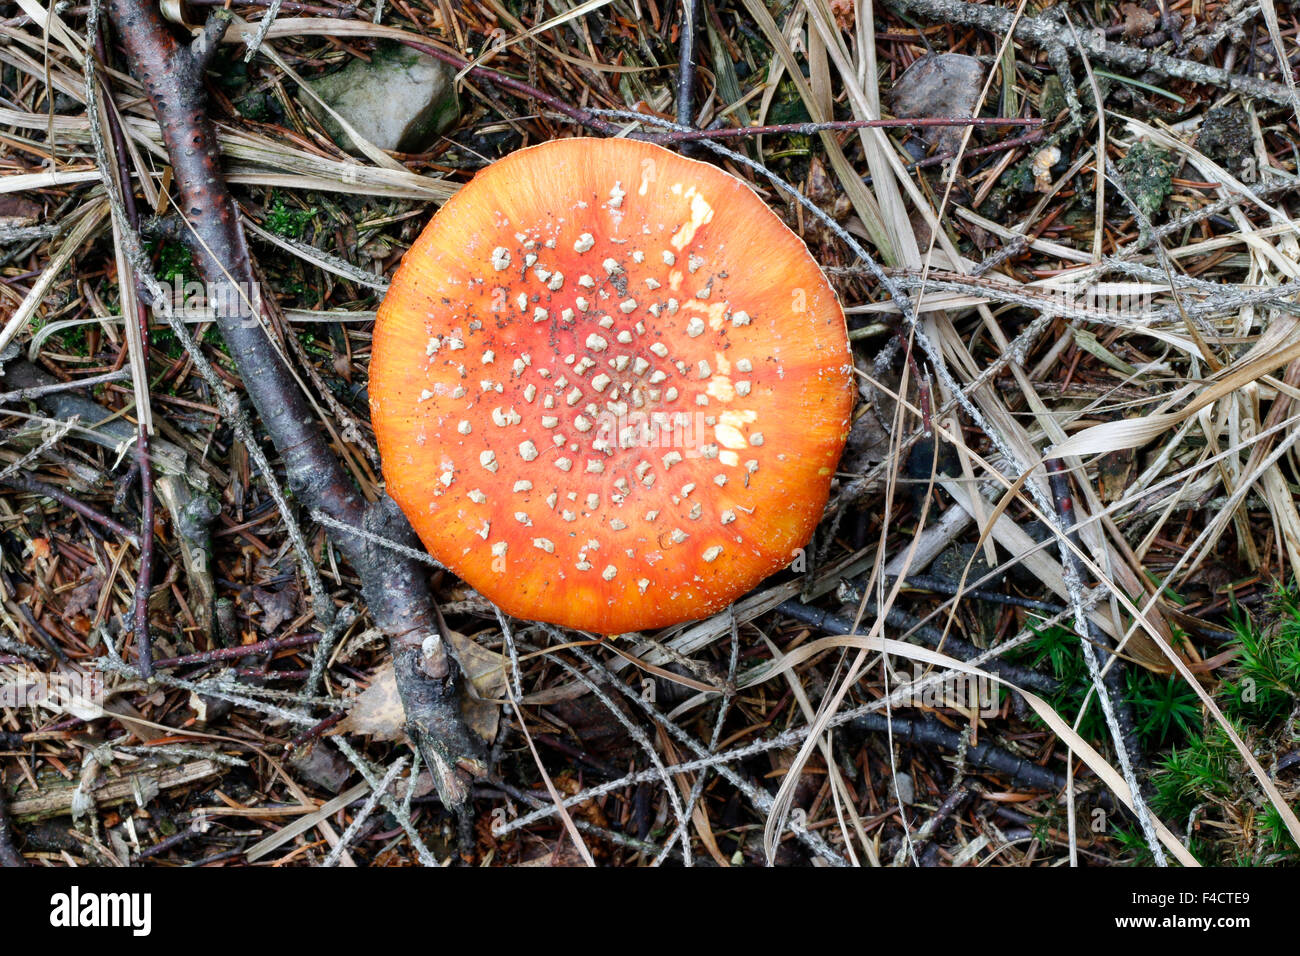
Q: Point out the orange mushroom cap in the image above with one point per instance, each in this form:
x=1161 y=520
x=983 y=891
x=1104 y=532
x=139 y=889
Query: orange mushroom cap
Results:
x=609 y=386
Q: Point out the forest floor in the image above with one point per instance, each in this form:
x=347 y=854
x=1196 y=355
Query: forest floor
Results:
x=1077 y=370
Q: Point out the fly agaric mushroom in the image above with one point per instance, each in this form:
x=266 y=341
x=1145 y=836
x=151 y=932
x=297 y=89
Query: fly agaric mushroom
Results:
x=609 y=386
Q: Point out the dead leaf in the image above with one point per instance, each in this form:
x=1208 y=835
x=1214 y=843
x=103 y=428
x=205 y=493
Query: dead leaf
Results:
x=485 y=669
x=1138 y=22
x=940 y=84
x=277 y=607
x=1114 y=470
x=487 y=676
x=16 y=211
x=378 y=710
x=85 y=595
x=565 y=855
x=322 y=764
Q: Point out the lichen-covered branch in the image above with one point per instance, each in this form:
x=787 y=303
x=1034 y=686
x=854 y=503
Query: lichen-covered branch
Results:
x=1046 y=33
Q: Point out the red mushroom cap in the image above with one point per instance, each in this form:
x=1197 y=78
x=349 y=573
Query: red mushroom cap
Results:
x=609 y=386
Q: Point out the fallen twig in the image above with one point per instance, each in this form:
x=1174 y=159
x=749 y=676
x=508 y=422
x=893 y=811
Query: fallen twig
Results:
x=138 y=345
x=22 y=481
x=686 y=63
x=396 y=590
x=1020 y=771
x=1048 y=35
x=835 y=624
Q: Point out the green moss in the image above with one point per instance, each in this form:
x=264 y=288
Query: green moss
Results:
x=1265 y=683
x=74 y=340
x=1258 y=695
x=1130 y=837
x=1052 y=100
x=1148 y=173
x=302 y=294
x=1205 y=767
x=1195 y=767
x=164 y=340
x=254 y=106
x=1019 y=178
x=175 y=263
x=1166 y=710
x=1273 y=831
x=283 y=220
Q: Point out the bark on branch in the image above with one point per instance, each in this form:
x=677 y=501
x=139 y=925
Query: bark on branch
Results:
x=394 y=586
x=1047 y=33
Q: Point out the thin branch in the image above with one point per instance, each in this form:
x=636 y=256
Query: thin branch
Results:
x=835 y=624
x=25 y=482
x=235 y=653
x=1019 y=771
x=39 y=391
x=138 y=344
x=759 y=798
x=367 y=808
x=686 y=63
x=1050 y=36
x=810 y=129
x=1110 y=684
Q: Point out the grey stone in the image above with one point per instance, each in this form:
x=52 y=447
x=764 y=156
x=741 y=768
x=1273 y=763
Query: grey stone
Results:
x=906 y=789
x=401 y=100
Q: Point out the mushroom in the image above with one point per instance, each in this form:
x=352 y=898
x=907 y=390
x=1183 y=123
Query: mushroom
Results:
x=609 y=386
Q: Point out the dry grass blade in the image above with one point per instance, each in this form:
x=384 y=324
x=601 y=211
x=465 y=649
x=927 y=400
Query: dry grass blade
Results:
x=89 y=220
x=1061 y=728
x=1130 y=433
